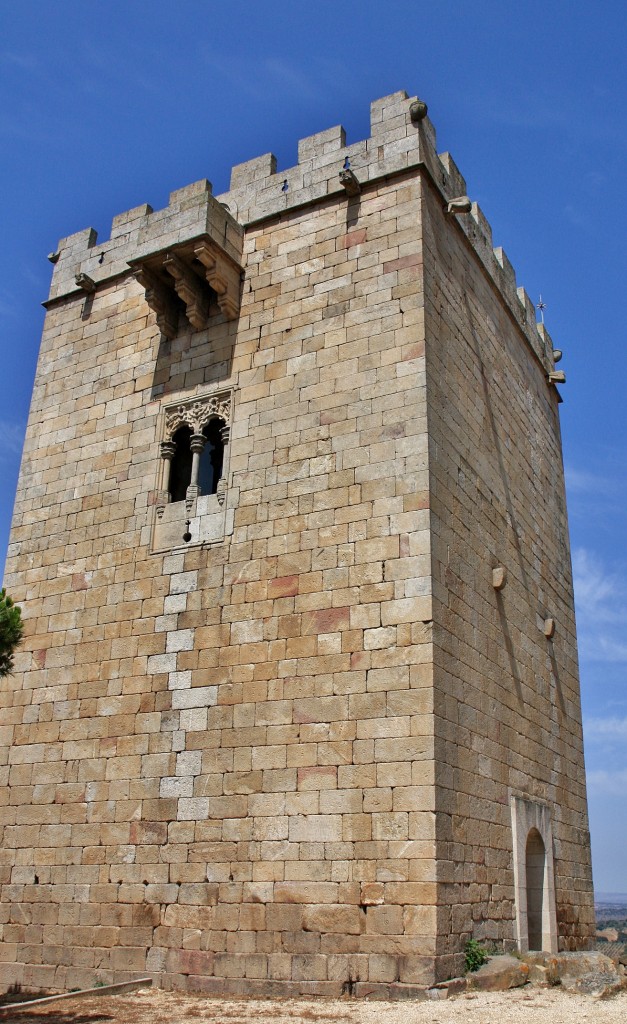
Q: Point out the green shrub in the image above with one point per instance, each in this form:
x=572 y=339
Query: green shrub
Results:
x=475 y=955
x=11 y=631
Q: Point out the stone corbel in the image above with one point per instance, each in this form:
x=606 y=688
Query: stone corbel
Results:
x=160 y=300
x=189 y=288
x=350 y=182
x=222 y=276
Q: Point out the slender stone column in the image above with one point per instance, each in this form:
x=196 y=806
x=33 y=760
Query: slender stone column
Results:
x=225 y=434
x=168 y=448
x=197 y=443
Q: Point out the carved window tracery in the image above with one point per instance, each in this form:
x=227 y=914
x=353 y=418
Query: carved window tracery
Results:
x=193 y=473
x=193 y=451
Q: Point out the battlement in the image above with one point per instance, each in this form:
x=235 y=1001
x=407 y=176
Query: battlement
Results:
x=402 y=138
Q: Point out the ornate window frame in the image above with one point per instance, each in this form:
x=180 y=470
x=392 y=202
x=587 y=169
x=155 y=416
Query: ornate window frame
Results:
x=198 y=519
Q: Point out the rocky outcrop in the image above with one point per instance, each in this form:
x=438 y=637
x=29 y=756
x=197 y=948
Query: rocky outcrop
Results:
x=589 y=973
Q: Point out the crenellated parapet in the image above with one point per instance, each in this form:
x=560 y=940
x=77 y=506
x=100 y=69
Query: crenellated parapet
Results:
x=189 y=255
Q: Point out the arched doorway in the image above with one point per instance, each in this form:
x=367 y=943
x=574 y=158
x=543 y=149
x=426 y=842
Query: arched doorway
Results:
x=535 y=862
x=534 y=881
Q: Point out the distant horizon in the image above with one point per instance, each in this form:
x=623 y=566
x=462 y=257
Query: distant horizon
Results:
x=610 y=897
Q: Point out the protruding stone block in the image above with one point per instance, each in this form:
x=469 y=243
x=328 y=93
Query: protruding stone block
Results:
x=499 y=577
x=418 y=111
x=461 y=204
x=85 y=283
x=350 y=182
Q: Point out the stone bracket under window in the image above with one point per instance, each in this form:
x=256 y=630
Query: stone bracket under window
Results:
x=159 y=299
x=195 y=279
x=195 y=516
x=190 y=290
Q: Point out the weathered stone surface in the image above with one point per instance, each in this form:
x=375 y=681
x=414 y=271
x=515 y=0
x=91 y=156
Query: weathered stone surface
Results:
x=591 y=973
x=453 y=986
x=499 y=974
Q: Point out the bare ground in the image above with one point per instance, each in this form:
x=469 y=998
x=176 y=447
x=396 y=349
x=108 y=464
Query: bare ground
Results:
x=519 y=1006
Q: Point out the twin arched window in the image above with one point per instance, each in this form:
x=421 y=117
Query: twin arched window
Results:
x=194 y=451
x=190 y=497
x=210 y=459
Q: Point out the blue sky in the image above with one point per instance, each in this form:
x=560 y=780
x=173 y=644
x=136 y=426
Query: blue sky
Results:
x=104 y=106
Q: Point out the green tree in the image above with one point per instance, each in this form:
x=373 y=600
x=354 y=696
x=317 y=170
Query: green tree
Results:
x=11 y=632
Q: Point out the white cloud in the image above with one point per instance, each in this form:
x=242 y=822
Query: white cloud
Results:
x=581 y=482
x=24 y=61
x=601 y=604
x=272 y=76
x=577 y=218
x=604 y=783
x=593 y=586
x=11 y=440
x=598 y=496
x=606 y=728
x=611 y=650
x=290 y=77
x=537 y=116
x=8 y=305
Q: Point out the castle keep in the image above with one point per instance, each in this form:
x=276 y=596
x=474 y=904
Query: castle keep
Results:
x=298 y=705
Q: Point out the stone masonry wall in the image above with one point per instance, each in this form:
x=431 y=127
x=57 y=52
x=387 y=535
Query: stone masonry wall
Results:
x=507 y=711
x=222 y=763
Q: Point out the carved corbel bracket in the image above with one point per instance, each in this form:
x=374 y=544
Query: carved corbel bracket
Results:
x=160 y=300
x=163 y=499
x=198 y=274
x=190 y=289
x=222 y=276
x=350 y=182
x=191 y=494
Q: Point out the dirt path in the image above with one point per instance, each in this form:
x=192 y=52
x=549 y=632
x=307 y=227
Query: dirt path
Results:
x=521 y=1006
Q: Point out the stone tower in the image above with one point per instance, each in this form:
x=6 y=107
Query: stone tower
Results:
x=298 y=707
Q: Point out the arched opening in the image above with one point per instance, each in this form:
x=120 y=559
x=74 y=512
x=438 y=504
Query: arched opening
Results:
x=181 y=467
x=210 y=468
x=535 y=858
